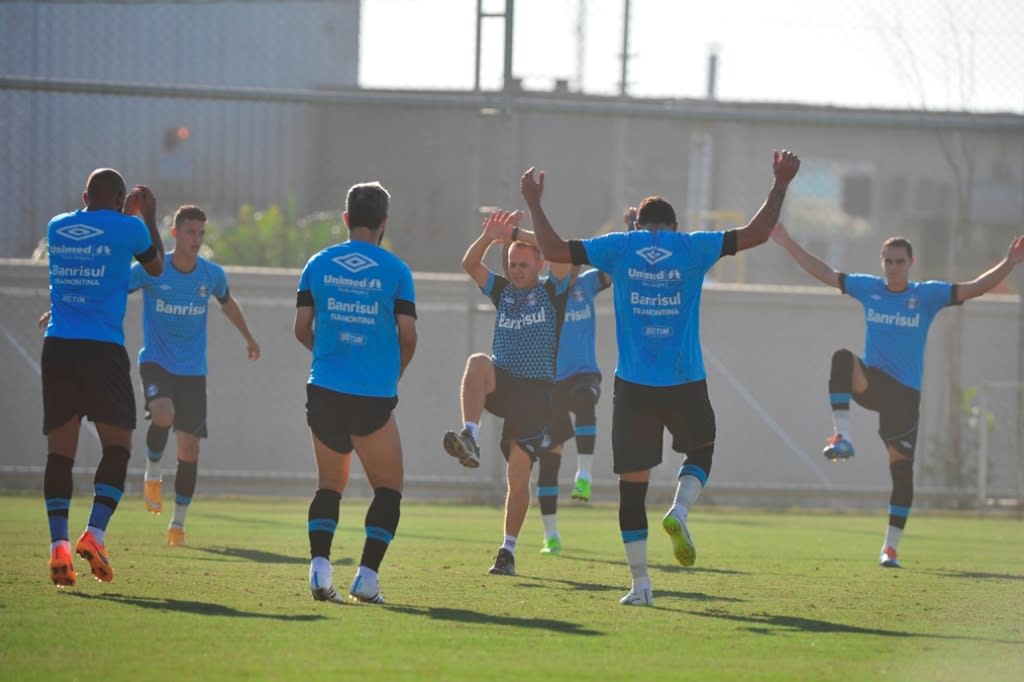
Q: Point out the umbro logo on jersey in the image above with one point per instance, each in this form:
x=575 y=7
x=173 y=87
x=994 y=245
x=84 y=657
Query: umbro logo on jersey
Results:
x=77 y=233
x=653 y=254
x=355 y=262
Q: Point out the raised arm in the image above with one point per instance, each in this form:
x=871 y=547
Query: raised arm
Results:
x=552 y=246
x=497 y=228
x=233 y=312
x=994 y=275
x=812 y=265
x=140 y=201
x=785 y=165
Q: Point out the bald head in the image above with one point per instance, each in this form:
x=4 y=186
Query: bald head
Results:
x=105 y=189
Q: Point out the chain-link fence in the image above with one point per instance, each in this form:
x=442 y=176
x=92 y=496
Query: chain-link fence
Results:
x=254 y=108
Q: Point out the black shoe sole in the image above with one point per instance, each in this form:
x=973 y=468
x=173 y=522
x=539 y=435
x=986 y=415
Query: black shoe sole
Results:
x=454 y=447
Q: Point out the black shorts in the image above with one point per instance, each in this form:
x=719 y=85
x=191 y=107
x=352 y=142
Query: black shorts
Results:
x=89 y=379
x=188 y=393
x=640 y=415
x=335 y=417
x=898 y=407
x=561 y=427
x=525 y=407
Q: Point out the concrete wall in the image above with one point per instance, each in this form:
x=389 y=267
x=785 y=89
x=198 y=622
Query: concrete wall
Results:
x=767 y=349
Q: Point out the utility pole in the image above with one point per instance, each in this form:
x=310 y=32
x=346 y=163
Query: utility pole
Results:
x=623 y=79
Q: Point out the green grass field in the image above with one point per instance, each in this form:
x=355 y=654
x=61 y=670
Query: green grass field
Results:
x=791 y=596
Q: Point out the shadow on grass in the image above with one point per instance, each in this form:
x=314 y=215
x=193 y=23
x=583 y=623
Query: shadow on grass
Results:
x=769 y=624
x=476 y=617
x=540 y=582
x=974 y=575
x=250 y=521
x=198 y=608
x=259 y=556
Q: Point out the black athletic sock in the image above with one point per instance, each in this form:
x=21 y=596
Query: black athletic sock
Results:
x=323 y=521
x=58 y=486
x=381 y=524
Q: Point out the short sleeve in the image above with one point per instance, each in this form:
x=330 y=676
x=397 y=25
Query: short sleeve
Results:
x=304 y=278
x=706 y=247
x=220 y=285
x=406 y=288
x=605 y=252
x=858 y=286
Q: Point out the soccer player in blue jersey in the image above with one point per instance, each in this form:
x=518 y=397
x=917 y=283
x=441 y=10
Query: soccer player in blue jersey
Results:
x=85 y=368
x=578 y=382
x=356 y=312
x=172 y=360
x=574 y=398
x=660 y=381
x=515 y=381
x=887 y=377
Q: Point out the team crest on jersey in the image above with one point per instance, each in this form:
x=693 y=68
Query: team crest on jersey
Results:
x=578 y=296
x=78 y=233
x=203 y=291
x=152 y=390
x=912 y=303
x=653 y=254
x=531 y=299
x=355 y=262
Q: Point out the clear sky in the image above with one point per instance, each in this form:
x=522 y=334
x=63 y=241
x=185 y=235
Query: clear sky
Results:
x=943 y=54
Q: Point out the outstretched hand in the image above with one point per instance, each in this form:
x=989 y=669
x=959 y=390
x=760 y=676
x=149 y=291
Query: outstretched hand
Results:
x=531 y=189
x=785 y=166
x=500 y=225
x=780 y=235
x=141 y=202
x=1016 y=253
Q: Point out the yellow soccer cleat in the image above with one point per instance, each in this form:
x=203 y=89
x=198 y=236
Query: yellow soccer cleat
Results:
x=153 y=496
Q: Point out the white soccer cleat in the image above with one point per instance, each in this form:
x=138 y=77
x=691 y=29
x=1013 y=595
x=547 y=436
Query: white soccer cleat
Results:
x=638 y=596
x=327 y=594
x=320 y=583
x=365 y=590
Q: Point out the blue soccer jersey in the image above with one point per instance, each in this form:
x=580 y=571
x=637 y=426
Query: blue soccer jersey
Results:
x=174 y=313
x=657 y=276
x=90 y=258
x=527 y=325
x=897 y=323
x=354 y=287
x=576 y=351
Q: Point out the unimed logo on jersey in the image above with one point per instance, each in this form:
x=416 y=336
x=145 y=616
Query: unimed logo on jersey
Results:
x=355 y=262
x=653 y=254
x=77 y=233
